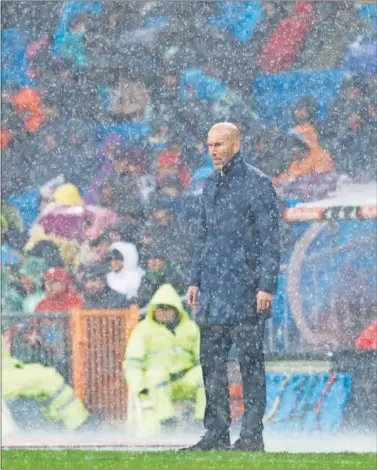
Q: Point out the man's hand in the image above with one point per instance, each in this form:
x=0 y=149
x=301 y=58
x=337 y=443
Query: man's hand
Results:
x=264 y=301
x=192 y=296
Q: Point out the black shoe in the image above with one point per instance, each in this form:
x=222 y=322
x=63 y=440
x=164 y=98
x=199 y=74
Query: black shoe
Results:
x=208 y=442
x=249 y=445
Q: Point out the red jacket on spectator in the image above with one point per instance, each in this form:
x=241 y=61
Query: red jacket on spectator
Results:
x=6 y=138
x=170 y=163
x=281 y=49
x=27 y=104
x=61 y=301
x=368 y=338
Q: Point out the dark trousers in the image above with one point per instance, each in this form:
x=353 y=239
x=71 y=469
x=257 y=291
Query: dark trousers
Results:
x=215 y=343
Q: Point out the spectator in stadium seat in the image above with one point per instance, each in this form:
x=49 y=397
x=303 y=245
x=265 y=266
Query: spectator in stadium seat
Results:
x=97 y=294
x=170 y=186
x=304 y=116
x=14 y=233
x=49 y=252
x=274 y=12
x=126 y=275
x=17 y=155
x=146 y=241
x=80 y=153
x=126 y=184
x=111 y=143
x=60 y=292
x=337 y=25
x=11 y=300
x=283 y=45
x=31 y=273
x=305 y=111
x=137 y=168
x=100 y=248
x=355 y=147
x=122 y=232
x=308 y=157
x=128 y=99
x=73 y=43
x=371 y=114
x=158 y=272
x=164 y=228
x=68 y=249
x=7 y=133
x=352 y=94
x=27 y=104
x=368 y=337
x=268 y=152
x=51 y=157
x=170 y=164
x=67 y=194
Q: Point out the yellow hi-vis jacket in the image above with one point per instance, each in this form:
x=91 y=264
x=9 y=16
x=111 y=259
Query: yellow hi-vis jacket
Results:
x=154 y=348
x=44 y=384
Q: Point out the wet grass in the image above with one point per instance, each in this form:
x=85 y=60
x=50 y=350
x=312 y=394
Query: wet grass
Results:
x=92 y=459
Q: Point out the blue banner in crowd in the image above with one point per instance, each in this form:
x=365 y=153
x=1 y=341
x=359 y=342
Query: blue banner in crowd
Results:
x=275 y=94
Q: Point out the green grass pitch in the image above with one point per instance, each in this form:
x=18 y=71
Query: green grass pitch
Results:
x=93 y=459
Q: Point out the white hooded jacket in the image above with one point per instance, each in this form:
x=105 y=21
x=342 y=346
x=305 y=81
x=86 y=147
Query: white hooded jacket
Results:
x=127 y=281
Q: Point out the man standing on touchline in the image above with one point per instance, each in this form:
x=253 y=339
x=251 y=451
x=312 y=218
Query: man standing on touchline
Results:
x=235 y=269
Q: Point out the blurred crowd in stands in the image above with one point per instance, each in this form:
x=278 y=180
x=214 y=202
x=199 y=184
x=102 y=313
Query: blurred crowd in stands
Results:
x=105 y=110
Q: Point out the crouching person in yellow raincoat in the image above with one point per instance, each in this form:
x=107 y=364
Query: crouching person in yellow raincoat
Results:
x=57 y=402
x=162 y=363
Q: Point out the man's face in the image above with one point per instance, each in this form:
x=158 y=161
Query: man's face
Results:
x=106 y=196
x=170 y=191
x=170 y=80
x=101 y=250
x=165 y=314
x=353 y=92
x=117 y=265
x=27 y=284
x=115 y=237
x=53 y=288
x=221 y=147
x=162 y=216
x=300 y=115
x=64 y=75
x=298 y=153
x=120 y=166
x=93 y=286
x=50 y=142
x=134 y=169
x=354 y=122
x=147 y=240
x=155 y=264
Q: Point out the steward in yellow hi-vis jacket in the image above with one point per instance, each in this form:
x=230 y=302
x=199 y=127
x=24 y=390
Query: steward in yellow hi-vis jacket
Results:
x=44 y=384
x=162 y=361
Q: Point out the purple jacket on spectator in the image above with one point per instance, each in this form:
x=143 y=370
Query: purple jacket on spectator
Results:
x=111 y=143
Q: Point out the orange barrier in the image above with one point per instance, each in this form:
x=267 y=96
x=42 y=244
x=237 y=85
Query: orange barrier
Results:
x=99 y=339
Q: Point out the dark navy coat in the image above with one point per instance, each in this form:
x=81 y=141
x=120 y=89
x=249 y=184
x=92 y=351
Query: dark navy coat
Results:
x=237 y=251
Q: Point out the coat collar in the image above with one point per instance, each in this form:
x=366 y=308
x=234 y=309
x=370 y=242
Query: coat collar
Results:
x=228 y=169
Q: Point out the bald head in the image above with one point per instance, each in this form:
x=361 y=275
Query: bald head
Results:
x=228 y=129
x=224 y=142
